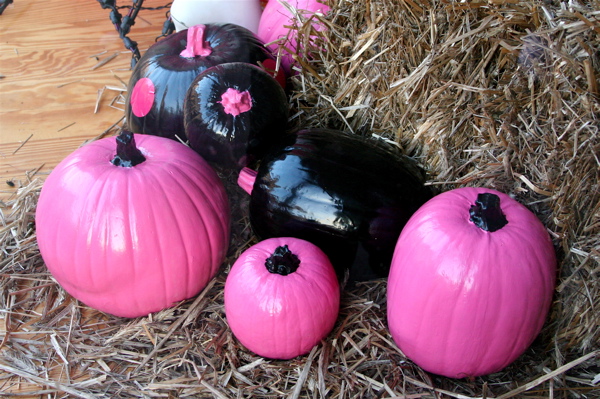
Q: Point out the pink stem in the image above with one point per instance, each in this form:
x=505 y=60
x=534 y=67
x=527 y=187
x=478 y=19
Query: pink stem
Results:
x=196 y=45
x=246 y=179
x=236 y=102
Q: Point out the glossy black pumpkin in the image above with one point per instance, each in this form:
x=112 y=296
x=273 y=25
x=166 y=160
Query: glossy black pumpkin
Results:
x=232 y=114
x=161 y=78
x=349 y=195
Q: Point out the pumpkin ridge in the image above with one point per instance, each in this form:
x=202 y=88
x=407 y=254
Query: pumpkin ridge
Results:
x=293 y=326
x=494 y=304
x=493 y=323
x=216 y=256
x=98 y=190
x=206 y=179
x=58 y=238
x=100 y=227
x=518 y=345
x=157 y=185
x=309 y=334
x=133 y=300
x=532 y=313
x=130 y=208
x=128 y=234
x=454 y=321
x=206 y=234
x=533 y=274
x=320 y=310
x=205 y=216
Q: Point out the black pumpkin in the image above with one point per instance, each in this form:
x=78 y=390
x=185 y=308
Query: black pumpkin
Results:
x=348 y=194
x=161 y=78
x=232 y=114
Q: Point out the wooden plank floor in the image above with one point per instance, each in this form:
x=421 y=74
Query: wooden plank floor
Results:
x=49 y=84
x=49 y=51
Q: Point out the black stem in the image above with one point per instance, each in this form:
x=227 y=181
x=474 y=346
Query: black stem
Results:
x=486 y=213
x=128 y=155
x=283 y=261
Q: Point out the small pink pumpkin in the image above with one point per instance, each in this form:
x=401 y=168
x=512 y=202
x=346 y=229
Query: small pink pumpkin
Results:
x=273 y=27
x=136 y=232
x=282 y=297
x=471 y=283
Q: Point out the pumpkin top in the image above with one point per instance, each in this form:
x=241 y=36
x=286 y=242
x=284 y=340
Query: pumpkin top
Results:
x=196 y=46
x=282 y=261
x=128 y=155
x=236 y=102
x=486 y=213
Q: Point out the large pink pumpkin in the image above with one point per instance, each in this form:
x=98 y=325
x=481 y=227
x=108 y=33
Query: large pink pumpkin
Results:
x=274 y=25
x=464 y=301
x=131 y=238
x=282 y=297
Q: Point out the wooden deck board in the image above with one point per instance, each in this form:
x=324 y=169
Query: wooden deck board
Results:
x=49 y=87
x=48 y=94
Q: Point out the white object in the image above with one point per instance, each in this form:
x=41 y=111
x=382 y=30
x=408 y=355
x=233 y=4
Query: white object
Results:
x=186 y=13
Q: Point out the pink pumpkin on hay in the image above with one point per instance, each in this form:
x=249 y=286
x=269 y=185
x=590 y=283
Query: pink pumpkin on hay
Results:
x=471 y=283
x=131 y=230
x=282 y=297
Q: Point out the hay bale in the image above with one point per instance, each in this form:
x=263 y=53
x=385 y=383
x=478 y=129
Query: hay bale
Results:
x=497 y=94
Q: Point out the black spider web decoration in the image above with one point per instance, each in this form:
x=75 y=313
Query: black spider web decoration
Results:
x=123 y=24
x=4 y=4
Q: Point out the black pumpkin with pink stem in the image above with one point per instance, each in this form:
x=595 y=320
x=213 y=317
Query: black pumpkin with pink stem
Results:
x=347 y=194
x=233 y=113
x=161 y=78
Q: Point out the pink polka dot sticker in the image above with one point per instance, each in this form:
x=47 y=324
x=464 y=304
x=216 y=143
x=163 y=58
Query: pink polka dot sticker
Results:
x=142 y=97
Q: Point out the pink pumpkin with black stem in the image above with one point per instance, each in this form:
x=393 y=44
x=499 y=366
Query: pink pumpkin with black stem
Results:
x=132 y=225
x=471 y=283
x=282 y=297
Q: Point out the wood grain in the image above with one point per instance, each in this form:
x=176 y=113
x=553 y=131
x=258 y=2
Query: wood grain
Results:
x=49 y=84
